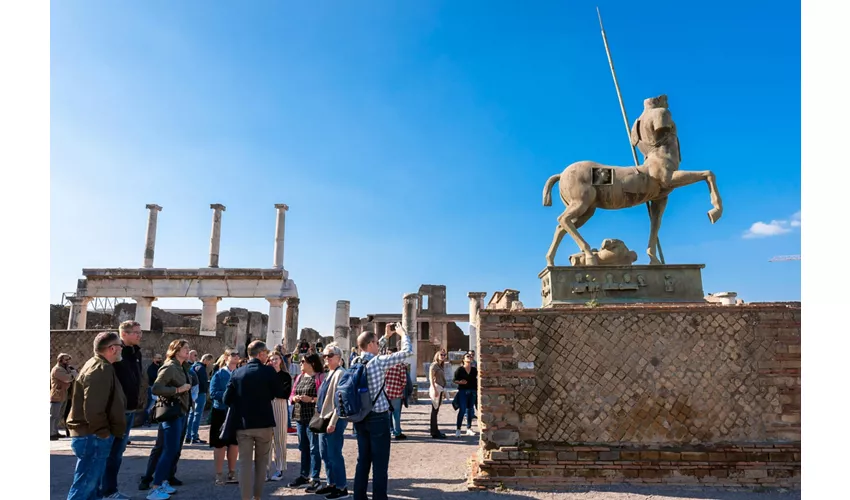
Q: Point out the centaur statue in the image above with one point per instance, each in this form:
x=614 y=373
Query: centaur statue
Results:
x=586 y=185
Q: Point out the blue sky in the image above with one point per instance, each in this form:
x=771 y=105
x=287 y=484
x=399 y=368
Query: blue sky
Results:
x=412 y=140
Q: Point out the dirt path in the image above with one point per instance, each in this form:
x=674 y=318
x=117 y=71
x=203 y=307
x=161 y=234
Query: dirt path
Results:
x=420 y=468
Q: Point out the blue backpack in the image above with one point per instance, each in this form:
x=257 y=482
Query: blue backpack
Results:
x=352 y=393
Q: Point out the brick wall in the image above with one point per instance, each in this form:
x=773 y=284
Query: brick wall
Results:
x=78 y=343
x=696 y=394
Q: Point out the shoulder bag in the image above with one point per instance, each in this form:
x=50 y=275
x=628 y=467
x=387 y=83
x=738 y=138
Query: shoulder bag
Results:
x=166 y=410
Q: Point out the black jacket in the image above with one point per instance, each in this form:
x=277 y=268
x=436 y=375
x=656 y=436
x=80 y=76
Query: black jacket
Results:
x=249 y=395
x=152 y=369
x=200 y=370
x=129 y=372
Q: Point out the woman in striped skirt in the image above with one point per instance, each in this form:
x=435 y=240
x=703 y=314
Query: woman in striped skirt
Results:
x=277 y=453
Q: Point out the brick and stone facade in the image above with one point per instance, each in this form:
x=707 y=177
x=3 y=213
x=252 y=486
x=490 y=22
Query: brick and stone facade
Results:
x=685 y=394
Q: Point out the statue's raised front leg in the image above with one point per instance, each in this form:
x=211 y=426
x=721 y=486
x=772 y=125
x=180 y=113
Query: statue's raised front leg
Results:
x=686 y=178
x=656 y=212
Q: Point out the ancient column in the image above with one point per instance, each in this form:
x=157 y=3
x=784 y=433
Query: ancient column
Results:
x=442 y=330
x=476 y=303
x=79 y=313
x=209 y=312
x=408 y=320
x=355 y=328
x=342 y=329
x=150 y=239
x=144 y=307
x=215 y=237
x=280 y=229
x=274 y=332
x=290 y=331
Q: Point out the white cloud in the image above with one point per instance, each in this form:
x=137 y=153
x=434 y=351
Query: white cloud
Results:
x=773 y=228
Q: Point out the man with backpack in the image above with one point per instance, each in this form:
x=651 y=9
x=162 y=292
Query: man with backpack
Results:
x=363 y=400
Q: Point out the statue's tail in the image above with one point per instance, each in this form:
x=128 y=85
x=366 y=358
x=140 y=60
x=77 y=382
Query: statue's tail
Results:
x=547 y=190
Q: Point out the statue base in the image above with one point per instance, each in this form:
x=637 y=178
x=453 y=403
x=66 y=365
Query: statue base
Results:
x=621 y=284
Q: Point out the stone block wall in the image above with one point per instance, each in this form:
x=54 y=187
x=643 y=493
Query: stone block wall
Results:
x=78 y=343
x=686 y=394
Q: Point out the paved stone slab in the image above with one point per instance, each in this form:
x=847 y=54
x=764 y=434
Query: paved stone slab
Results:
x=420 y=468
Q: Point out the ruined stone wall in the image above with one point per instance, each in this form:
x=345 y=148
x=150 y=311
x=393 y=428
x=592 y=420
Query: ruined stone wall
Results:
x=697 y=394
x=78 y=343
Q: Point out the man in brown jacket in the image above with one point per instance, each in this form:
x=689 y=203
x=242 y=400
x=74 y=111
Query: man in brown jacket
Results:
x=97 y=415
x=61 y=377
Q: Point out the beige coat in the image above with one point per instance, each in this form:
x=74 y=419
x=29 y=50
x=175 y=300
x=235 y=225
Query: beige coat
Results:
x=329 y=405
x=60 y=382
x=437 y=385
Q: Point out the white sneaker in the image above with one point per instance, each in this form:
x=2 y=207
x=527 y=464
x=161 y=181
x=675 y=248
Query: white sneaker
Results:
x=158 y=494
x=457 y=433
x=167 y=488
x=277 y=476
x=469 y=432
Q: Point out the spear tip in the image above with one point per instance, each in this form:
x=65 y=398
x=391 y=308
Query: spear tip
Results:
x=599 y=16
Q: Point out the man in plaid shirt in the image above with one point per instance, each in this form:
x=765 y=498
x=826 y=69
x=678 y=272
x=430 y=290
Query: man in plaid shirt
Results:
x=373 y=432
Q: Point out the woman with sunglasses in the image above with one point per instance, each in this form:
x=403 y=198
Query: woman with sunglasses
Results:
x=437 y=390
x=466 y=378
x=277 y=453
x=330 y=442
x=305 y=392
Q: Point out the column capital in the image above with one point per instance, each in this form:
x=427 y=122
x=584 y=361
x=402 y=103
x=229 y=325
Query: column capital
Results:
x=218 y=206
x=293 y=301
x=144 y=301
x=276 y=301
x=410 y=296
x=83 y=301
x=281 y=206
x=208 y=299
x=476 y=295
x=153 y=206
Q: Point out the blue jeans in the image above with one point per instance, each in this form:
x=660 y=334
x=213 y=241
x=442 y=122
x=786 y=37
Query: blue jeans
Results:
x=396 y=416
x=464 y=397
x=195 y=417
x=308 y=445
x=109 y=481
x=171 y=434
x=91 y=452
x=330 y=447
x=373 y=452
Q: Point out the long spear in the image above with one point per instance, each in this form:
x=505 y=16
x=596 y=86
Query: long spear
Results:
x=625 y=117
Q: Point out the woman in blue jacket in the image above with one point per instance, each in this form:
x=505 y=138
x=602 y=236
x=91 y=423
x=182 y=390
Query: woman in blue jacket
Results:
x=227 y=363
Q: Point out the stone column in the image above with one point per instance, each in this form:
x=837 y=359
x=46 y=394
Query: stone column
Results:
x=215 y=237
x=280 y=229
x=144 y=307
x=476 y=304
x=79 y=313
x=341 y=326
x=209 y=312
x=274 y=331
x=150 y=239
x=290 y=331
x=408 y=320
x=442 y=329
x=355 y=328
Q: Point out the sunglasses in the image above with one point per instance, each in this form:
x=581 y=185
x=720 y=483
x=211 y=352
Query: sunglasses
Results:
x=328 y=355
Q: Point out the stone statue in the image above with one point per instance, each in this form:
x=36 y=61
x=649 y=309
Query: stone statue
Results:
x=612 y=252
x=586 y=185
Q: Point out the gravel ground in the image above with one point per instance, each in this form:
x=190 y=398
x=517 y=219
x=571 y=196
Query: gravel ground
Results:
x=420 y=468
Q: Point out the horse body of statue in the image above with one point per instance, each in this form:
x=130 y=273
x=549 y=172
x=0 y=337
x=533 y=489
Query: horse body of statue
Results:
x=586 y=185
